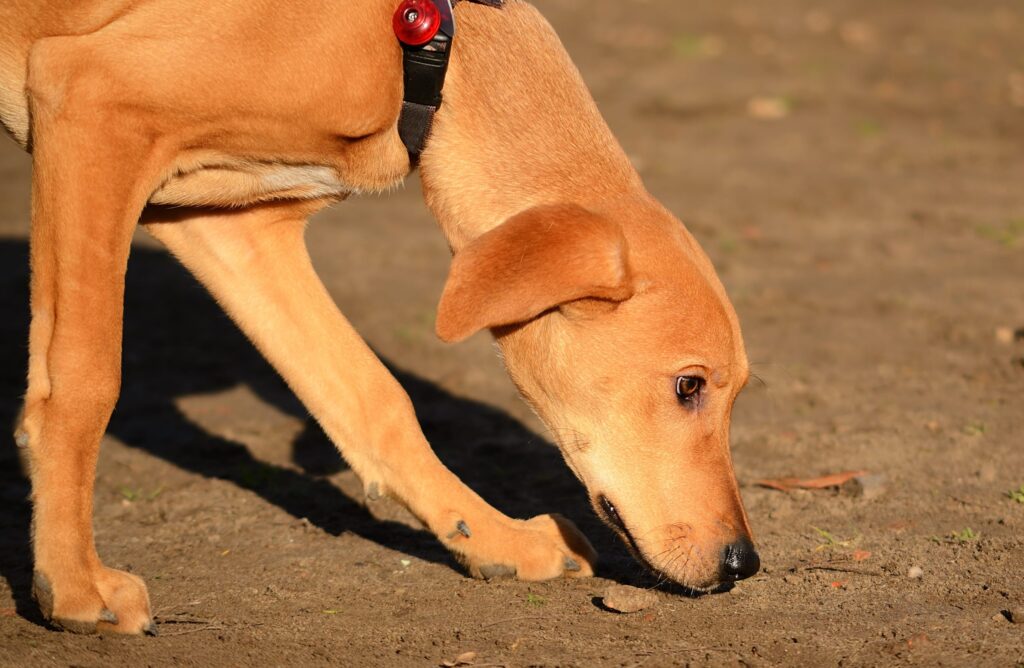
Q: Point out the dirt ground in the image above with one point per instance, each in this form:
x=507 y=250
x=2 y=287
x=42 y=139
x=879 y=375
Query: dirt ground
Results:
x=856 y=171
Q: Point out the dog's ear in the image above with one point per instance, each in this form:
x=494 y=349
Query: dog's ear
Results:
x=537 y=260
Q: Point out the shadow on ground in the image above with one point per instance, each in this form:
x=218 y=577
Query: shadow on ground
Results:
x=179 y=343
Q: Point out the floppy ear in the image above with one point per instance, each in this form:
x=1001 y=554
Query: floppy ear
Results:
x=535 y=261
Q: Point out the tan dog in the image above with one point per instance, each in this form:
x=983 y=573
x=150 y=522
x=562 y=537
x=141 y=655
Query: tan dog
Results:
x=248 y=117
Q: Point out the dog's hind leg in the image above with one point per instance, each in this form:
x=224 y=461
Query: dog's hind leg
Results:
x=93 y=170
x=256 y=265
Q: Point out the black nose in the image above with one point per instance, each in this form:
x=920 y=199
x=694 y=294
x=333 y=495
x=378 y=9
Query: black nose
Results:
x=740 y=560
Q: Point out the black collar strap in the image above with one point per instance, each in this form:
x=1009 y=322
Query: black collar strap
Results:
x=425 y=29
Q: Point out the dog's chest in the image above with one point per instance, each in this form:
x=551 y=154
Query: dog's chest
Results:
x=234 y=183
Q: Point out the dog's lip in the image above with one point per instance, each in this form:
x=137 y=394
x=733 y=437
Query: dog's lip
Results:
x=609 y=514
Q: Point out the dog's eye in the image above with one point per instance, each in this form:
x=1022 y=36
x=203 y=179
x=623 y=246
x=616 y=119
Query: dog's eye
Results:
x=688 y=389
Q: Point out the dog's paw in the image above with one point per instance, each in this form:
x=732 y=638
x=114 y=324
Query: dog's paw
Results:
x=542 y=548
x=111 y=601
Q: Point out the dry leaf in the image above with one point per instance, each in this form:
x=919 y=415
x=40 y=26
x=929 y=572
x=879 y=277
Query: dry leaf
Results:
x=787 y=484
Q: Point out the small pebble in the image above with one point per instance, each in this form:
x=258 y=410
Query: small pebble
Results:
x=915 y=573
x=623 y=598
x=1017 y=615
x=767 y=108
x=1004 y=335
x=868 y=486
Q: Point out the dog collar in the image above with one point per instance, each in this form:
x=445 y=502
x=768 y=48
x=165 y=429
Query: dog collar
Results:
x=425 y=28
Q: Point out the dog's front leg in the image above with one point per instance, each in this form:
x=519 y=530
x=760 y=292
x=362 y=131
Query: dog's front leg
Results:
x=93 y=170
x=256 y=265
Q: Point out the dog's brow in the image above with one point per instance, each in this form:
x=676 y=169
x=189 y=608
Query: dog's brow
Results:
x=720 y=377
x=691 y=363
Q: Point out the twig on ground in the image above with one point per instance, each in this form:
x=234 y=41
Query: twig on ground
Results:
x=514 y=619
x=209 y=627
x=840 y=569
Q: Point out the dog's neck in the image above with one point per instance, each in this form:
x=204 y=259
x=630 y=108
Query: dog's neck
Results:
x=517 y=128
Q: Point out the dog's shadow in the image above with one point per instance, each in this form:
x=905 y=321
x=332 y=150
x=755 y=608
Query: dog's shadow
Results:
x=179 y=343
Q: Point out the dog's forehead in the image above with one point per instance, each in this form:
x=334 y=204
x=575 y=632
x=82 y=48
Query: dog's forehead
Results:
x=683 y=321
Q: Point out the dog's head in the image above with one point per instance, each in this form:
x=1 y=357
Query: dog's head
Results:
x=616 y=329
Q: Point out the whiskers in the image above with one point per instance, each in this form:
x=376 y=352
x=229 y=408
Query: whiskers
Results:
x=673 y=561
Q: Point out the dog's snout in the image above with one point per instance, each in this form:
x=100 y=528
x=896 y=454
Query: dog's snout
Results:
x=739 y=560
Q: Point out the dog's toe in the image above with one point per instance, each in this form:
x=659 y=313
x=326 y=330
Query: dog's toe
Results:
x=110 y=602
x=542 y=548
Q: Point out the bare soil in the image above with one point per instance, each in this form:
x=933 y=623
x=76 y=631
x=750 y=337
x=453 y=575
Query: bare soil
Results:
x=856 y=171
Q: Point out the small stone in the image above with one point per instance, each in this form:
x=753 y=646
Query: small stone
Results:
x=915 y=573
x=1016 y=615
x=768 y=108
x=868 y=486
x=623 y=598
x=1004 y=335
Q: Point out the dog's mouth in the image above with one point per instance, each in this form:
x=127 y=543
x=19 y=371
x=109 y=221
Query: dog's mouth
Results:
x=610 y=515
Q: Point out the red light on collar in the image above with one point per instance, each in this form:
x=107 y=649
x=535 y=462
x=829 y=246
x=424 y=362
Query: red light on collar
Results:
x=426 y=29
x=416 y=22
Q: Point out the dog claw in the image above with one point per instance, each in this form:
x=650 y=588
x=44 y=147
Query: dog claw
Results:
x=373 y=492
x=571 y=564
x=460 y=528
x=495 y=571
x=150 y=629
x=108 y=616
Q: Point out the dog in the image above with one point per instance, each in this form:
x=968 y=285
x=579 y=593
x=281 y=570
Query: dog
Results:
x=222 y=126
